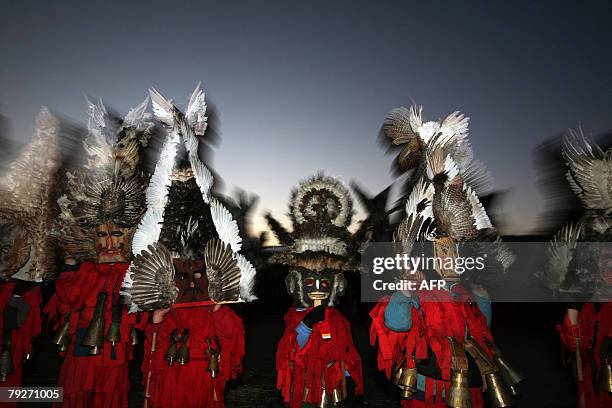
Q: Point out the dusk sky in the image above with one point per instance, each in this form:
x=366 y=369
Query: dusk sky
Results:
x=303 y=86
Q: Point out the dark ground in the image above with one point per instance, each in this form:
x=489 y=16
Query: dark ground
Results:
x=525 y=333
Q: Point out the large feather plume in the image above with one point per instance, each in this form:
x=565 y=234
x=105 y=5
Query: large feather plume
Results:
x=151 y=279
x=559 y=253
x=222 y=271
x=157 y=196
x=226 y=226
x=419 y=214
x=590 y=171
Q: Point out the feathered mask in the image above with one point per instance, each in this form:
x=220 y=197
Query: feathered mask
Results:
x=184 y=217
x=443 y=204
x=110 y=186
x=576 y=262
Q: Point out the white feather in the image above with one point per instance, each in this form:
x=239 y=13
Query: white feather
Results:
x=96 y=115
x=226 y=227
x=455 y=125
x=137 y=115
x=247 y=278
x=450 y=167
x=423 y=190
x=196 y=111
x=481 y=219
x=203 y=176
x=150 y=226
x=414 y=117
x=162 y=108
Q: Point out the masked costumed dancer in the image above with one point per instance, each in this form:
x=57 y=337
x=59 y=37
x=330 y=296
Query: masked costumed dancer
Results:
x=580 y=263
x=436 y=345
x=316 y=359
x=28 y=191
x=103 y=203
x=187 y=266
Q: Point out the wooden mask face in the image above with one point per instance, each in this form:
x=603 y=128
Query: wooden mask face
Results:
x=113 y=243
x=191 y=281
x=310 y=288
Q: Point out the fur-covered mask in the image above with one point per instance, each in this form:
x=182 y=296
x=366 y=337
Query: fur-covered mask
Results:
x=308 y=286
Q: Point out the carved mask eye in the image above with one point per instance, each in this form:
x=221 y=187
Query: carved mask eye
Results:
x=309 y=282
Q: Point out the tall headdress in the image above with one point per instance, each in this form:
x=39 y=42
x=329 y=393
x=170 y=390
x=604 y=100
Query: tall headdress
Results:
x=109 y=188
x=576 y=263
x=184 y=220
x=320 y=246
x=28 y=191
x=442 y=205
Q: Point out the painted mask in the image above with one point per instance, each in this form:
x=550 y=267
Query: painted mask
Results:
x=308 y=286
x=113 y=243
x=191 y=281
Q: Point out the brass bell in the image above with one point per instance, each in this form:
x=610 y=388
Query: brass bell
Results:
x=170 y=355
x=183 y=352
x=604 y=382
x=324 y=399
x=408 y=379
x=459 y=392
x=62 y=336
x=397 y=374
x=134 y=339
x=94 y=336
x=114 y=334
x=337 y=396
x=510 y=376
x=498 y=395
x=182 y=356
x=213 y=364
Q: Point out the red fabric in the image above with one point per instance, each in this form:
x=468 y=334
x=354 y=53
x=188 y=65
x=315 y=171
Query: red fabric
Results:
x=588 y=320
x=92 y=381
x=23 y=336
x=439 y=317
x=191 y=385
x=583 y=331
x=299 y=369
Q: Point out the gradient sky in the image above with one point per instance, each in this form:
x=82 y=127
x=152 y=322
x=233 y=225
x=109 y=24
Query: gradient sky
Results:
x=302 y=86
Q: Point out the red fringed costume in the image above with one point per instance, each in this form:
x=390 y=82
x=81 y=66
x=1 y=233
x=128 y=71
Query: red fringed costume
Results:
x=23 y=336
x=320 y=359
x=101 y=380
x=191 y=385
x=592 y=328
x=440 y=316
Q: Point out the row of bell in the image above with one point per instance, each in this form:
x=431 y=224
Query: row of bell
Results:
x=180 y=354
x=334 y=399
x=459 y=394
x=94 y=336
x=501 y=386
